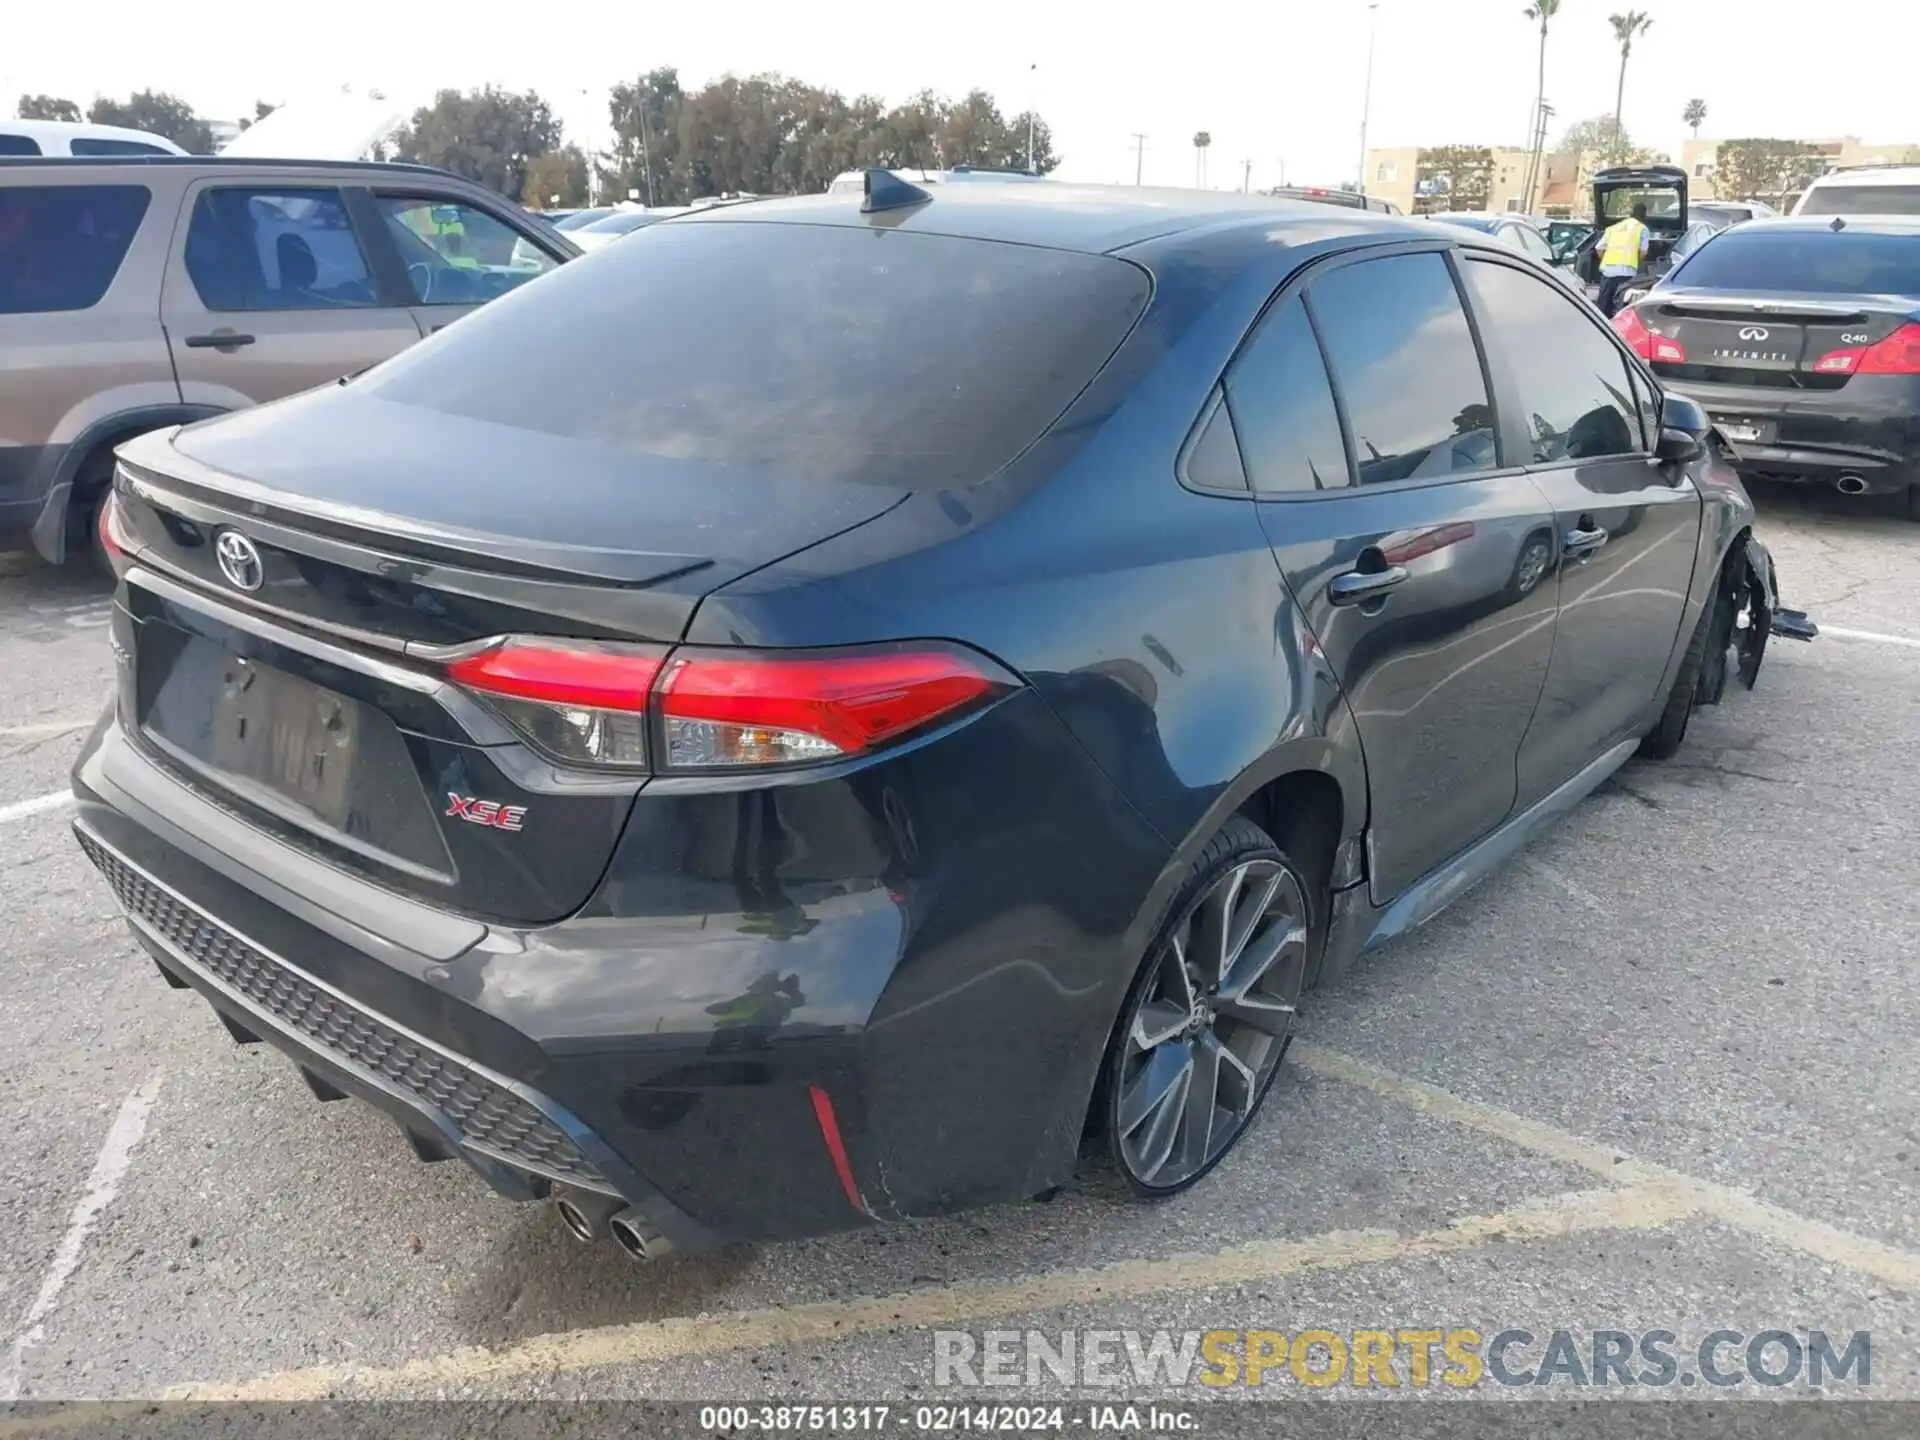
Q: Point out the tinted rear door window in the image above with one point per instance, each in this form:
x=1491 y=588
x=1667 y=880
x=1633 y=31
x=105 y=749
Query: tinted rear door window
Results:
x=1283 y=408
x=19 y=145
x=825 y=352
x=276 y=250
x=61 y=245
x=1398 y=343
x=1573 y=383
x=1862 y=200
x=1757 y=257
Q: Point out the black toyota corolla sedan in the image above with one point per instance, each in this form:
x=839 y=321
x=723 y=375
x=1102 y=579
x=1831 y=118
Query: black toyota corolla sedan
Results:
x=804 y=715
x=1802 y=339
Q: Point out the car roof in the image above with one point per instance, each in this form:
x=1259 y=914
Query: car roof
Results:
x=1097 y=219
x=215 y=163
x=1870 y=175
x=1908 y=225
x=68 y=130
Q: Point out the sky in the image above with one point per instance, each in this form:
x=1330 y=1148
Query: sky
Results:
x=1277 y=84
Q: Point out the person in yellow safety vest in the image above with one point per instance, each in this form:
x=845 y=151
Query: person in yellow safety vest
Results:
x=1623 y=251
x=449 y=237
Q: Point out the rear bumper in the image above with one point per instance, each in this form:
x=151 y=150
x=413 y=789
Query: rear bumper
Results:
x=1870 y=428
x=944 y=992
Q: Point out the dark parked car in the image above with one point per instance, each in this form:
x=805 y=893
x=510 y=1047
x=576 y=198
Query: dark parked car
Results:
x=825 y=702
x=1518 y=232
x=1801 y=337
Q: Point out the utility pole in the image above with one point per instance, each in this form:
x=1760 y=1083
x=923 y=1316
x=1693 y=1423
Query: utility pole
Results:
x=1139 y=154
x=1033 y=81
x=1246 y=176
x=1366 y=104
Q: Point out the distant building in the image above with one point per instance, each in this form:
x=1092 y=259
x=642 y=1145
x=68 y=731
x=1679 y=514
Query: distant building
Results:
x=1702 y=159
x=1392 y=174
x=224 y=132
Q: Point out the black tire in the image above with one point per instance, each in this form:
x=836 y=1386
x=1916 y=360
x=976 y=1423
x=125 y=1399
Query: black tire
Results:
x=1913 y=502
x=1241 y=1004
x=1665 y=738
x=90 y=488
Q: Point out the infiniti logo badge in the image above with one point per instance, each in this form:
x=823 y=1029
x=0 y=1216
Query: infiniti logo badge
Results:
x=239 y=560
x=1754 y=332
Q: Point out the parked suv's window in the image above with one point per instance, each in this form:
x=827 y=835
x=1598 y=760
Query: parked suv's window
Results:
x=1574 y=387
x=1283 y=408
x=84 y=145
x=1398 y=343
x=19 y=145
x=458 y=254
x=820 y=352
x=276 y=250
x=61 y=245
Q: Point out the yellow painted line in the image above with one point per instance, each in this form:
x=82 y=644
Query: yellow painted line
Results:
x=1731 y=1206
x=1639 y=1208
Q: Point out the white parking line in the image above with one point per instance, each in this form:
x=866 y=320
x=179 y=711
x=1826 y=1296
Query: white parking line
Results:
x=42 y=729
x=20 y=809
x=102 y=1185
x=1873 y=635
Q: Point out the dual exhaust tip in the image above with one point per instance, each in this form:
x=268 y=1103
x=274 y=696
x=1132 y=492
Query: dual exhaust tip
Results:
x=590 y=1216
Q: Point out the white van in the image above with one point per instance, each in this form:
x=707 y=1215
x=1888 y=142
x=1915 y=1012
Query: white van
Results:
x=67 y=137
x=1864 y=190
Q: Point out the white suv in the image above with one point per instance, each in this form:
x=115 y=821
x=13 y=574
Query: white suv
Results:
x=63 y=138
x=1864 y=190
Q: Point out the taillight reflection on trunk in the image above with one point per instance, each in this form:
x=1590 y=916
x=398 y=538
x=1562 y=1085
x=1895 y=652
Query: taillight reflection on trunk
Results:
x=726 y=710
x=579 y=701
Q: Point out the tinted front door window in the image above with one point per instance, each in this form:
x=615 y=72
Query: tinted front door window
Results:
x=1399 y=346
x=1573 y=381
x=458 y=254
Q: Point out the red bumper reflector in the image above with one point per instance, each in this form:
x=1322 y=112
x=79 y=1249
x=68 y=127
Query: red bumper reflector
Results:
x=836 y=1148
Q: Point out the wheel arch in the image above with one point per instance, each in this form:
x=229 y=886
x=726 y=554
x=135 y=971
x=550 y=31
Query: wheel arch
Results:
x=50 y=530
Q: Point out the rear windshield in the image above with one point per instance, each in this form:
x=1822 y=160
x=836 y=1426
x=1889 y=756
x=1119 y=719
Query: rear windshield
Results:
x=1820 y=261
x=824 y=352
x=1861 y=200
x=61 y=245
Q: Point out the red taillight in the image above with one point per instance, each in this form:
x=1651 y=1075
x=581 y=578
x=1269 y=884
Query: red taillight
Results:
x=112 y=542
x=580 y=701
x=1659 y=349
x=591 y=703
x=724 y=710
x=1839 y=362
x=1628 y=325
x=1898 y=354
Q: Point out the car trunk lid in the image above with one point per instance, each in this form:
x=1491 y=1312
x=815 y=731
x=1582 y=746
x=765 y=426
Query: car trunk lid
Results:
x=307 y=692
x=1766 y=341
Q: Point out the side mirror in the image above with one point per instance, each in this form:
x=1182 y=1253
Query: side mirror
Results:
x=1683 y=430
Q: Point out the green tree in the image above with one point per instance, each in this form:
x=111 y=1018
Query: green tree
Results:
x=1695 y=114
x=1765 y=169
x=1627 y=26
x=157 y=113
x=1542 y=11
x=556 y=180
x=488 y=135
x=46 y=107
x=1453 y=177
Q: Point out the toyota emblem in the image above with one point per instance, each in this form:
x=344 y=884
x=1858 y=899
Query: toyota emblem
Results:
x=1754 y=332
x=239 y=560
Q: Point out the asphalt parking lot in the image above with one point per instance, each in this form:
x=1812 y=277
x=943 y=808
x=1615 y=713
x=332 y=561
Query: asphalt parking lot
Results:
x=1659 y=1072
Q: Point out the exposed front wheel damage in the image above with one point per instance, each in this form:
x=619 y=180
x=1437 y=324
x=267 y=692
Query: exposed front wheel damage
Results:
x=1747 y=613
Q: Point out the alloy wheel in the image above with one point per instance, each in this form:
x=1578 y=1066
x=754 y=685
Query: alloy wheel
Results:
x=1210 y=1024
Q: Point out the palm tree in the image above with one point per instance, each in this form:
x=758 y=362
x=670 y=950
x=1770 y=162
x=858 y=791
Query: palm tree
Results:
x=1201 y=140
x=1695 y=112
x=1625 y=28
x=1543 y=11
